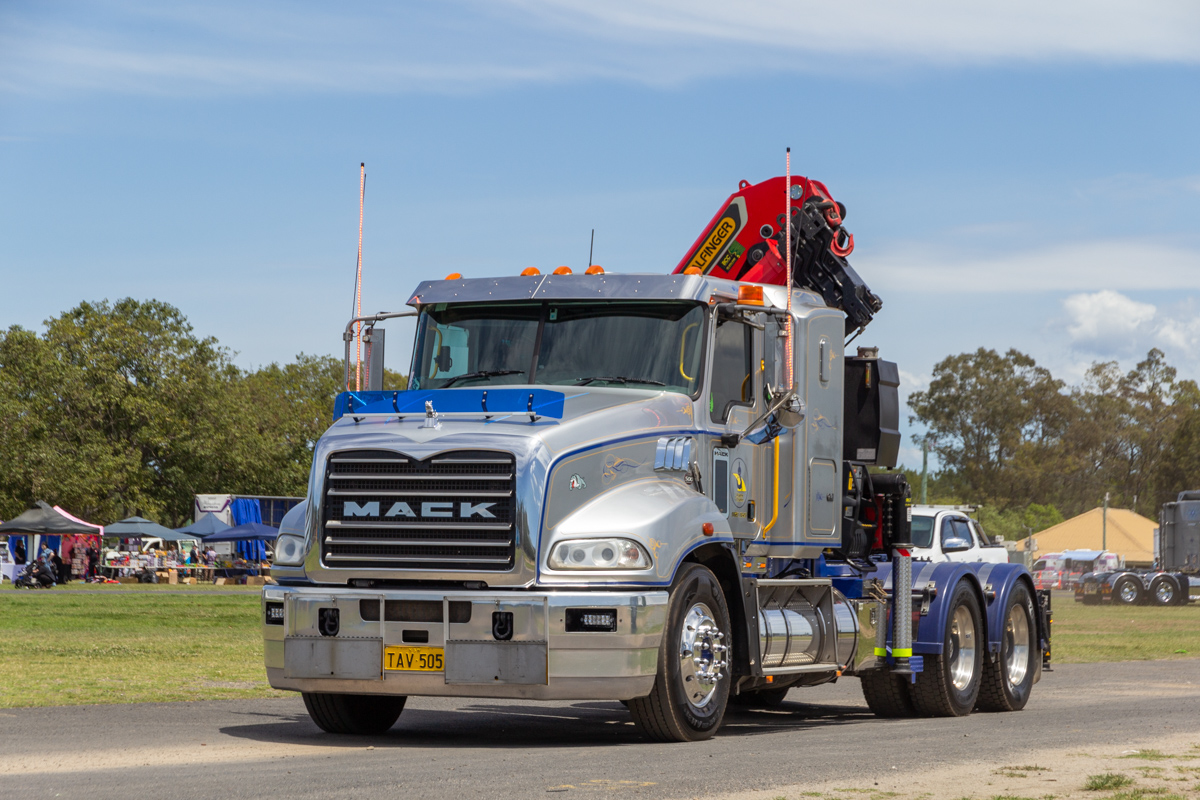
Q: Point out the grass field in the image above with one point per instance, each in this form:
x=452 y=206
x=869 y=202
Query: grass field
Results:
x=1083 y=634
x=141 y=643
x=129 y=644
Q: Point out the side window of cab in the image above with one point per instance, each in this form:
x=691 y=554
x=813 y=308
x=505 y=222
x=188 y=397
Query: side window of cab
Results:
x=732 y=368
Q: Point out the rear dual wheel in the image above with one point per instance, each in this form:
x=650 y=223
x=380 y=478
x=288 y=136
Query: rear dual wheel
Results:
x=1008 y=680
x=886 y=693
x=1128 y=591
x=1164 y=591
x=949 y=684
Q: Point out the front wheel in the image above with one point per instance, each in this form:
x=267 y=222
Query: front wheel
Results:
x=362 y=714
x=691 y=690
x=949 y=685
x=1008 y=681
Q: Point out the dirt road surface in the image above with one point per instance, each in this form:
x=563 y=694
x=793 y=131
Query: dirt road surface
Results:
x=1084 y=719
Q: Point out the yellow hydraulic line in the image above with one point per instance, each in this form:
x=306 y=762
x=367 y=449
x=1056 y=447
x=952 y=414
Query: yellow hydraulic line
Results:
x=775 y=513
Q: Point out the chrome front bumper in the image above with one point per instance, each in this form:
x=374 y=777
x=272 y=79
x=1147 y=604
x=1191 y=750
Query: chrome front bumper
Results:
x=541 y=661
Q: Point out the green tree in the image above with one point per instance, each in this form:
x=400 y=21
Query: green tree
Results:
x=998 y=423
x=121 y=408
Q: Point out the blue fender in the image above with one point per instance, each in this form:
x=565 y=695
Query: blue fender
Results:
x=992 y=583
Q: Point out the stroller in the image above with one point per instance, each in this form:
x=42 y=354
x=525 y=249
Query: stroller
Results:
x=34 y=576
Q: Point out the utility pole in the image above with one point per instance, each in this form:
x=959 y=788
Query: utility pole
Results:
x=924 y=470
x=1104 y=525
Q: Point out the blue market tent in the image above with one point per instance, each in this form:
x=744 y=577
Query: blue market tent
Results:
x=251 y=531
x=251 y=539
x=207 y=525
x=140 y=528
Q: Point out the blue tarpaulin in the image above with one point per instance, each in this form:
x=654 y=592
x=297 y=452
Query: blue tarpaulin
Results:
x=246 y=510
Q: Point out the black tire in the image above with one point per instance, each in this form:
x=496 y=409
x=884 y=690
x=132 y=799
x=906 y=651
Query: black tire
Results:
x=687 y=703
x=362 y=714
x=949 y=684
x=886 y=693
x=1128 y=591
x=1008 y=680
x=1164 y=591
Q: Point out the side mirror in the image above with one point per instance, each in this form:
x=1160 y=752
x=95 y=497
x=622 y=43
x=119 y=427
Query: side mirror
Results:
x=444 y=361
x=955 y=545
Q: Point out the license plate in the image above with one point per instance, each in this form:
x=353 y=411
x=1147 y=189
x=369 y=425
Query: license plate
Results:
x=414 y=659
x=1091 y=588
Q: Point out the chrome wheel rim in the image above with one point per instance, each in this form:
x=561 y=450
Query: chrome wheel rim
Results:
x=962 y=648
x=1016 y=644
x=701 y=656
x=1164 y=593
x=1128 y=592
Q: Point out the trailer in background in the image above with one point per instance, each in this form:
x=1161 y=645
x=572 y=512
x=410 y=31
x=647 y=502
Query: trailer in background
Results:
x=1177 y=563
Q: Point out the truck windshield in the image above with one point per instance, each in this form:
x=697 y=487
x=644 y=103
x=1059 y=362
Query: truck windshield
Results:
x=922 y=531
x=643 y=345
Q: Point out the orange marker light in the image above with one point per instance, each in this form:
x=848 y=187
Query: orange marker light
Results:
x=531 y=271
x=594 y=269
x=562 y=271
x=750 y=295
x=453 y=276
x=692 y=271
x=706 y=528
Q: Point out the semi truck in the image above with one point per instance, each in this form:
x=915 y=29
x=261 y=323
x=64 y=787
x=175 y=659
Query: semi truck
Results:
x=671 y=490
x=1176 y=569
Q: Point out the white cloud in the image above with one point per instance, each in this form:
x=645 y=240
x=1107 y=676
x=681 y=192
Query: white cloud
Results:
x=1116 y=264
x=1106 y=319
x=221 y=46
x=919 y=30
x=1111 y=325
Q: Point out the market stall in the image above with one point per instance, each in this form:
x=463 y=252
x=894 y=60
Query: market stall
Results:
x=150 y=548
x=251 y=539
x=43 y=525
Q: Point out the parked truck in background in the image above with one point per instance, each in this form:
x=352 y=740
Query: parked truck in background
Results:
x=664 y=489
x=1177 y=563
x=947 y=533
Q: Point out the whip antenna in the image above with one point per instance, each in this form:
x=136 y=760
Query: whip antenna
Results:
x=362 y=196
x=788 y=244
x=592 y=248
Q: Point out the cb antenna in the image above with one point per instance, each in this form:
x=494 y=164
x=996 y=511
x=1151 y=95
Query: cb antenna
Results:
x=362 y=196
x=787 y=222
x=591 y=248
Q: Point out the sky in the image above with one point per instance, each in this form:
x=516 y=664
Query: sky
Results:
x=1017 y=174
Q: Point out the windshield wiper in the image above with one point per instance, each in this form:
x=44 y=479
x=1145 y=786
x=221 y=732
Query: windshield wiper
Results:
x=617 y=379
x=484 y=373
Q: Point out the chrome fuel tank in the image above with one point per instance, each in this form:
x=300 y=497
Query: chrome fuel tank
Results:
x=804 y=625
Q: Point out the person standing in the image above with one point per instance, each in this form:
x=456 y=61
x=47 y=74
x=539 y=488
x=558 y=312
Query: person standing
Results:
x=93 y=558
x=46 y=556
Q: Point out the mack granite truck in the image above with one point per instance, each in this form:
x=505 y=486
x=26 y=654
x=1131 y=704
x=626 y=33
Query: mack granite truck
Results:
x=1175 y=573
x=671 y=490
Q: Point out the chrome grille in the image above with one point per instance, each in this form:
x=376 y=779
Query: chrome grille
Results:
x=453 y=511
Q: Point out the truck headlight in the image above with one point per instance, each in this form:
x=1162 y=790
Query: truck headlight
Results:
x=289 y=550
x=599 y=554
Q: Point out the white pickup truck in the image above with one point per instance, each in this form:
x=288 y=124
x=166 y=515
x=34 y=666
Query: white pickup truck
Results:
x=948 y=534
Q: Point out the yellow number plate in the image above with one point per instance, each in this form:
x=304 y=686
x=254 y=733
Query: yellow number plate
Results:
x=414 y=659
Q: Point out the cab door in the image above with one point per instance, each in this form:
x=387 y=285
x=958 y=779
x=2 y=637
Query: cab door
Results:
x=733 y=403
